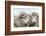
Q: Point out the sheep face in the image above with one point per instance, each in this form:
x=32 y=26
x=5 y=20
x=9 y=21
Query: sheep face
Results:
x=35 y=18
x=23 y=20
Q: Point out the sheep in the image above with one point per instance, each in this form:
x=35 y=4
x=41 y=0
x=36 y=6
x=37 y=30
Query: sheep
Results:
x=35 y=18
x=22 y=20
x=25 y=20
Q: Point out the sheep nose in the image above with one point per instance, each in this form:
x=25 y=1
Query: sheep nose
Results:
x=25 y=24
x=34 y=22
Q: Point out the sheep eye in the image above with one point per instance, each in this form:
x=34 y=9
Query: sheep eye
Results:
x=21 y=17
x=30 y=16
x=37 y=16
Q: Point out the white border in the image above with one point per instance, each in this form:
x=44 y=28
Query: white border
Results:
x=26 y=28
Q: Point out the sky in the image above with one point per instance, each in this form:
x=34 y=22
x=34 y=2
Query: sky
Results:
x=27 y=10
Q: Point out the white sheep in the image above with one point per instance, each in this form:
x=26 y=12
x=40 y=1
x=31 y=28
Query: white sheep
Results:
x=23 y=19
